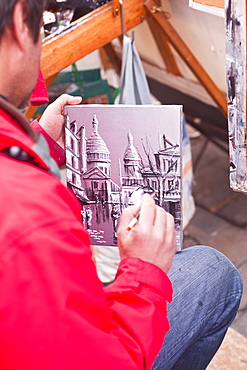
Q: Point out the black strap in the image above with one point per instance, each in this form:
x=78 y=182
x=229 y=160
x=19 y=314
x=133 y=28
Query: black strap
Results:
x=16 y=152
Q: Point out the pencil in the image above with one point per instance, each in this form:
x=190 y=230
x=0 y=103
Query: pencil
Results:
x=134 y=220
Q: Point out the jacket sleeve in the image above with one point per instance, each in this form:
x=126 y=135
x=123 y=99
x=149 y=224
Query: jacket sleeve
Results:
x=137 y=300
x=56 y=315
x=56 y=151
x=54 y=312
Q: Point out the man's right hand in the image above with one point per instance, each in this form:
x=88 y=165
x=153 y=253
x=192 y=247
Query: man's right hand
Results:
x=153 y=237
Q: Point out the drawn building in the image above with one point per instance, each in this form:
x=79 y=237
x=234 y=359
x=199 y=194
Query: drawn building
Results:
x=97 y=178
x=75 y=161
x=132 y=180
x=160 y=174
x=169 y=180
x=89 y=175
x=88 y=164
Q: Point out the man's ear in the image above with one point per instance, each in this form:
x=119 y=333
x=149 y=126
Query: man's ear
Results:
x=20 y=29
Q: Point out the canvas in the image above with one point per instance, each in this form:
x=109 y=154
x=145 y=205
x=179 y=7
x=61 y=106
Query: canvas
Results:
x=236 y=91
x=115 y=154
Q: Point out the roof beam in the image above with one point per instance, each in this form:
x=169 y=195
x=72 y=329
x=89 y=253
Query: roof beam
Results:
x=188 y=57
x=87 y=34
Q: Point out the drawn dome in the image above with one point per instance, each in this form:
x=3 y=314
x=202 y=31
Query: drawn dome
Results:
x=95 y=144
x=131 y=152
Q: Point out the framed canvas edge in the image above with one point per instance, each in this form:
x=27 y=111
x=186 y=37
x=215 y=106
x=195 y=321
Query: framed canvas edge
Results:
x=177 y=107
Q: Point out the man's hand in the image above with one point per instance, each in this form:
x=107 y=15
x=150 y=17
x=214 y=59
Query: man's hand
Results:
x=52 y=120
x=152 y=239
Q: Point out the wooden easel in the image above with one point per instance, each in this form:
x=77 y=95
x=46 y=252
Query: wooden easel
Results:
x=97 y=29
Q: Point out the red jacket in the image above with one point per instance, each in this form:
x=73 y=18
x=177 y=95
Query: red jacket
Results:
x=54 y=312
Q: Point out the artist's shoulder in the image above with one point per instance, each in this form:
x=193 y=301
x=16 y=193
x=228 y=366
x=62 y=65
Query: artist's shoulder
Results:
x=30 y=187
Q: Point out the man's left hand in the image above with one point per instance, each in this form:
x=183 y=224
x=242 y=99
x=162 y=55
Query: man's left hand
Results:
x=52 y=120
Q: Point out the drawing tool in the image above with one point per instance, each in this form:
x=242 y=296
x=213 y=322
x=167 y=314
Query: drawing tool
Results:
x=134 y=220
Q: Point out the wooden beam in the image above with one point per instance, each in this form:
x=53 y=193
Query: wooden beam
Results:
x=188 y=57
x=109 y=58
x=87 y=34
x=163 y=46
x=216 y=3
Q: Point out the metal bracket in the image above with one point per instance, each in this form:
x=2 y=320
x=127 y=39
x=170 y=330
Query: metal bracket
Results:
x=155 y=9
x=116 y=8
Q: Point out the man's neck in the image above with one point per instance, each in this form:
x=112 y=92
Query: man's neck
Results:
x=21 y=121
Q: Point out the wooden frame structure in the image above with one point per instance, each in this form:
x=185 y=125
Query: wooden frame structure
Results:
x=216 y=3
x=98 y=28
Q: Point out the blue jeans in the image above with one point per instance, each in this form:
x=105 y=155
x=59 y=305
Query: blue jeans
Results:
x=207 y=292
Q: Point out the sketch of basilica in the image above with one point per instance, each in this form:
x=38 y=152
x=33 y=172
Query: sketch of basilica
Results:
x=88 y=164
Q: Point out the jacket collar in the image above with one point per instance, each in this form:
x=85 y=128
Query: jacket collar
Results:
x=19 y=119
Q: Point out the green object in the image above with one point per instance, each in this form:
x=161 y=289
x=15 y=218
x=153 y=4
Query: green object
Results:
x=87 y=83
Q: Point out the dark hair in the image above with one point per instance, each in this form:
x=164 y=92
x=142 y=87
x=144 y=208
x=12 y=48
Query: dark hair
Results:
x=33 y=10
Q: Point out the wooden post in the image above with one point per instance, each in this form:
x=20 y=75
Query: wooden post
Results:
x=163 y=46
x=112 y=58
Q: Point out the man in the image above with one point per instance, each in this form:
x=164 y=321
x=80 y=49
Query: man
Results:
x=54 y=313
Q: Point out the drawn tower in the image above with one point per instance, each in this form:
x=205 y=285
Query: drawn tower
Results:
x=82 y=148
x=132 y=164
x=132 y=179
x=98 y=154
x=96 y=179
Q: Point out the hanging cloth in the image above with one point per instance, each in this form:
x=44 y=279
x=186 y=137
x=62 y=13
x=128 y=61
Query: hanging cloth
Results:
x=134 y=88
